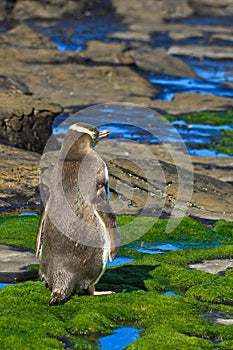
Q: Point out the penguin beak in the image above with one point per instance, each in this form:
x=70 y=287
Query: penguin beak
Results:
x=103 y=133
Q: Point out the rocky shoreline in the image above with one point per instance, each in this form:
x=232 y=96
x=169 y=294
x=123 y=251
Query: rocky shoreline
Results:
x=38 y=82
x=168 y=282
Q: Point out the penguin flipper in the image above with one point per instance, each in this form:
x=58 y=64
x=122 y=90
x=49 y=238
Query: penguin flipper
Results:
x=105 y=211
x=91 y=290
x=112 y=226
x=40 y=233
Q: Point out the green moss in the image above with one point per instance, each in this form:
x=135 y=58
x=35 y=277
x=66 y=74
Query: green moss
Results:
x=91 y=322
x=179 y=279
x=187 y=234
x=224 y=142
x=221 y=144
x=226 y=345
x=206 y=117
x=167 y=339
x=225 y=229
x=166 y=322
x=18 y=230
x=217 y=291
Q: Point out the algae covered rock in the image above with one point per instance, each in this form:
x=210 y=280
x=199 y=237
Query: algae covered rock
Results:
x=178 y=321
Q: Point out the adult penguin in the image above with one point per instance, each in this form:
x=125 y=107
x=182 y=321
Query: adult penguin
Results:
x=78 y=231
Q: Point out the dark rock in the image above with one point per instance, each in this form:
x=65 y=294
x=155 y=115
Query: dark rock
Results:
x=182 y=32
x=26 y=121
x=211 y=198
x=51 y=9
x=24 y=37
x=2 y=10
x=159 y=60
x=187 y=102
x=212 y=7
x=214 y=52
x=152 y=11
x=113 y=53
x=13 y=84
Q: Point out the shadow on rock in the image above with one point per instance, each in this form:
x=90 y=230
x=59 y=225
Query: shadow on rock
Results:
x=125 y=278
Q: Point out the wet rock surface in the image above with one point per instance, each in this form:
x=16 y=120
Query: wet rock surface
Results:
x=211 y=197
x=213 y=7
x=19 y=178
x=36 y=78
x=219 y=317
x=26 y=9
x=114 y=70
x=214 y=266
x=136 y=184
x=15 y=264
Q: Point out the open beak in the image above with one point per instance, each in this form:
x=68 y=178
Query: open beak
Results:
x=103 y=133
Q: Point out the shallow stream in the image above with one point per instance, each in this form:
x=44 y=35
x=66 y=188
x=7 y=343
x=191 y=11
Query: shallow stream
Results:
x=213 y=76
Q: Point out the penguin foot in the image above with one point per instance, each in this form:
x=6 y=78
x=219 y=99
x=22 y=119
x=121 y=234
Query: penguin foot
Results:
x=104 y=292
x=92 y=291
x=58 y=296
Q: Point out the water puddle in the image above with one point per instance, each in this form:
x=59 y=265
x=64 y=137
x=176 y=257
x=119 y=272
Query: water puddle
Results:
x=73 y=35
x=171 y=293
x=120 y=260
x=161 y=248
x=170 y=85
x=205 y=152
x=27 y=213
x=197 y=137
x=3 y=285
x=121 y=338
x=204 y=20
x=213 y=76
x=214 y=71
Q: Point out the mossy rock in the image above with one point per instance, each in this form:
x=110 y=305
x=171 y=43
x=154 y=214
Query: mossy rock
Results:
x=165 y=322
x=222 y=143
x=206 y=117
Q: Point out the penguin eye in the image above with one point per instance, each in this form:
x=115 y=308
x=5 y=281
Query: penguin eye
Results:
x=95 y=134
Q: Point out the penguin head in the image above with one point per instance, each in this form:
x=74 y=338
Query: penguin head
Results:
x=80 y=139
x=94 y=134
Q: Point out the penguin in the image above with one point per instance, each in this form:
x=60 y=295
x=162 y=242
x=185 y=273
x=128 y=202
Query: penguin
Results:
x=78 y=231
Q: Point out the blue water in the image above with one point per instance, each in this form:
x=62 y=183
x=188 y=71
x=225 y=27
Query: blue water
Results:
x=212 y=77
x=205 y=20
x=120 y=260
x=170 y=85
x=161 y=248
x=211 y=70
x=3 y=285
x=199 y=133
x=197 y=137
x=27 y=213
x=73 y=35
x=121 y=338
x=171 y=293
x=205 y=152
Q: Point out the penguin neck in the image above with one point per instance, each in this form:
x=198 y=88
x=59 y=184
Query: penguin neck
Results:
x=76 y=147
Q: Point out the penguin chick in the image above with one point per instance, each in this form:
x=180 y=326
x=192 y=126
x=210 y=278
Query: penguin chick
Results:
x=78 y=231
